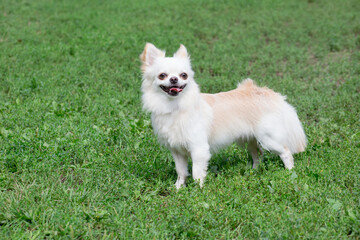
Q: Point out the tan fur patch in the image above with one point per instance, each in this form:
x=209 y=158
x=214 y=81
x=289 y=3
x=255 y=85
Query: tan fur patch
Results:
x=248 y=102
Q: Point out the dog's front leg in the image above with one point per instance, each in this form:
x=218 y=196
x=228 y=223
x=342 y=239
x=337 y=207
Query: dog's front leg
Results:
x=200 y=156
x=181 y=166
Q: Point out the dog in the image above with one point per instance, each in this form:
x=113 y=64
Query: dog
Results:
x=194 y=124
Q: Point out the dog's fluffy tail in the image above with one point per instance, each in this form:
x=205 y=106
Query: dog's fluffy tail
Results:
x=296 y=139
x=281 y=130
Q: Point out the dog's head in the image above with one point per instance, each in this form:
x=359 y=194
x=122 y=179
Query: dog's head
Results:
x=168 y=75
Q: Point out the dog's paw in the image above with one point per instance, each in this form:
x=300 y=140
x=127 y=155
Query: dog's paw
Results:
x=179 y=184
x=200 y=181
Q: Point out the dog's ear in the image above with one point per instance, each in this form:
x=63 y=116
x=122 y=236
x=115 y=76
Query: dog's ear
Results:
x=181 y=52
x=149 y=55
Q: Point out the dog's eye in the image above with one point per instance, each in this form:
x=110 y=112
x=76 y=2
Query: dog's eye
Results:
x=162 y=76
x=184 y=76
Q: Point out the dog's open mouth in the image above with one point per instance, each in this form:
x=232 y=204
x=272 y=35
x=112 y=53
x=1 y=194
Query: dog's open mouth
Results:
x=173 y=90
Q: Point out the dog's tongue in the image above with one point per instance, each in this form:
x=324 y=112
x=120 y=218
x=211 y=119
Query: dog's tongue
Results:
x=174 y=89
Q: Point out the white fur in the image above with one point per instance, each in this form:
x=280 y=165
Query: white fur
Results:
x=193 y=125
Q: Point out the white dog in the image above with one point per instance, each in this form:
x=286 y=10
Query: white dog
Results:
x=194 y=124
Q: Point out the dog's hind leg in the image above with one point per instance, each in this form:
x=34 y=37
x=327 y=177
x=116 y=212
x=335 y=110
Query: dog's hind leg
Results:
x=287 y=158
x=181 y=166
x=254 y=150
x=276 y=147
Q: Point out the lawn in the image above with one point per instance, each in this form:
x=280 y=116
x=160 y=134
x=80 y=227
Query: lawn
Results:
x=78 y=157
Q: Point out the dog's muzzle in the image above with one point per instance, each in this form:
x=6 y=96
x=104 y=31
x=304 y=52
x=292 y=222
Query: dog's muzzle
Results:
x=173 y=90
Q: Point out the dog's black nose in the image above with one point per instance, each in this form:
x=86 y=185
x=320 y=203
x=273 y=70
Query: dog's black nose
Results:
x=173 y=80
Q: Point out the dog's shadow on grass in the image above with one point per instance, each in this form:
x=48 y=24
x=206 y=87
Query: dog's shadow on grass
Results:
x=223 y=162
x=239 y=160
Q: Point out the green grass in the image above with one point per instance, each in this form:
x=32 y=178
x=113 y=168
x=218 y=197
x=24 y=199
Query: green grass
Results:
x=78 y=158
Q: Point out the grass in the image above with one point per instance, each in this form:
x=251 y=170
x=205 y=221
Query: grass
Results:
x=78 y=158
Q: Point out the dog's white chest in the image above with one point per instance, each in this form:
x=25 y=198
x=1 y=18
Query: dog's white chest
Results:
x=174 y=130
